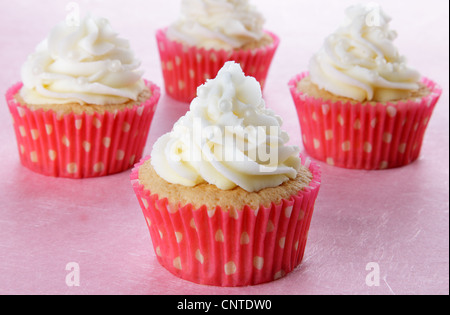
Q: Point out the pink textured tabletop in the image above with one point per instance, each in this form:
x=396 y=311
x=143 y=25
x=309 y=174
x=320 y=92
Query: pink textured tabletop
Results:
x=393 y=224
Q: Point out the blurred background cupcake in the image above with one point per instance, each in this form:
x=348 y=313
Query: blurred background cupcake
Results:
x=83 y=108
x=360 y=105
x=226 y=200
x=207 y=34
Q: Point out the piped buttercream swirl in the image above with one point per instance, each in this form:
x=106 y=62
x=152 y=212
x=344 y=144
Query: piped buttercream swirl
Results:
x=86 y=64
x=218 y=24
x=359 y=61
x=228 y=138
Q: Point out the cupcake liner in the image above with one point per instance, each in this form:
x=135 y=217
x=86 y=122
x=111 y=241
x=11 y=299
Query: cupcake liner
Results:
x=80 y=146
x=368 y=136
x=229 y=248
x=186 y=68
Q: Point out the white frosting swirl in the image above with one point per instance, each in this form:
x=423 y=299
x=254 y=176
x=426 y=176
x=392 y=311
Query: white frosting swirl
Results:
x=359 y=61
x=219 y=24
x=87 y=63
x=227 y=139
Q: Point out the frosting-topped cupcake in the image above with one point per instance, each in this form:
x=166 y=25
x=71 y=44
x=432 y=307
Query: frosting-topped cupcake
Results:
x=219 y=24
x=209 y=33
x=359 y=61
x=79 y=85
x=227 y=168
x=87 y=64
x=359 y=65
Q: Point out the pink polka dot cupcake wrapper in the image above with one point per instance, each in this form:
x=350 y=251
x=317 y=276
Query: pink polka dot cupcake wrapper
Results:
x=186 y=68
x=80 y=146
x=234 y=248
x=369 y=136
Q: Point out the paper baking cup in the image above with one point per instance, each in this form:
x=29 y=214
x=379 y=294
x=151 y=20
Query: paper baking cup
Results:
x=186 y=68
x=80 y=146
x=234 y=248
x=364 y=136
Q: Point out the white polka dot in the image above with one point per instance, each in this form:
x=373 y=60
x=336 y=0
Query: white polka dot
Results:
x=314 y=116
x=177 y=263
x=341 y=120
x=270 y=226
x=86 y=146
x=357 y=124
x=367 y=147
x=245 y=239
x=34 y=157
x=140 y=110
x=192 y=224
x=301 y=215
x=145 y=203
x=169 y=65
x=316 y=144
x=34 y=134
x=132 y=159
x=149 y=222
x=329 y=134
x=120 y=155
x=280 y=274
x=21 y=111
x=52 y=154
x=72 y=168
x=387 y=137
x=158 y=251
x=161 y=235
x=78 y=124
x=191 y=73
x=384 y=165
x=233 y=213
x=330 y=161
x=179 y=236
x=282 y=242
x=181 y=85
x=416 y=126
x=99 y=167
x=325 y=109
x=126 y=127
x=211 y=213
x=97 y=123
x=172 y=209
x=258 y=262
x=22 y=149
x=288 y=211
x=402 y=148
x=22 y=131
x=49 y=129
x=374 y=122
x=219 y=236
x=346 y=146
x=426 y=120
x=199 y=256
x=107 y=142
x=391 y=111
x=230 y=268
x=65 y=141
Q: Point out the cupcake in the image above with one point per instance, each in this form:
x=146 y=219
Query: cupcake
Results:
x=209 y=33
x=360 y=106
x=82 y=108
x=226 y=200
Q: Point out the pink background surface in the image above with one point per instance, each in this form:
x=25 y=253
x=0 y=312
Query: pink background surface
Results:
x=397 y=218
